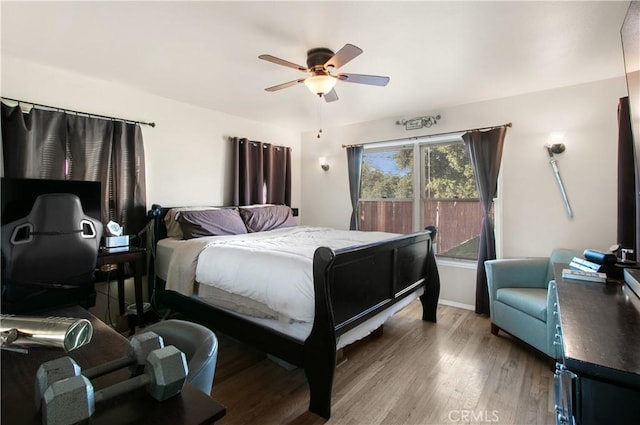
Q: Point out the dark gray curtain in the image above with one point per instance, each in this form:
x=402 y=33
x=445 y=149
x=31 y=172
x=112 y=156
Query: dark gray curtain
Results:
x=626 y=179
x=485 y=151
x=277 y=160
x=128 y=182
x=34 y=144
x=262 y=173
x=354 y=165
x=56 y=145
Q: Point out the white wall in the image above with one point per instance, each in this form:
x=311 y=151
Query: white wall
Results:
x=531 y=216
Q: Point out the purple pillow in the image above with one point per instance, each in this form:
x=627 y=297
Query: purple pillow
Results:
x=196 y=224
x=269 y=217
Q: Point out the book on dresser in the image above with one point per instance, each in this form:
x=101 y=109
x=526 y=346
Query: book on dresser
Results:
x=590 y=276
x=578 y=263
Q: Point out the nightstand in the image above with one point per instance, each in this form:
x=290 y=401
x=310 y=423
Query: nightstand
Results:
x=134 y=256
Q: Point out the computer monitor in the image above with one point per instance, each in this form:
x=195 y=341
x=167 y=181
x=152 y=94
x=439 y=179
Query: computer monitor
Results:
x=18 y=195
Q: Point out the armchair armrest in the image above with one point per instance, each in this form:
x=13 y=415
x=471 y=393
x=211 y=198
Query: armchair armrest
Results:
x=516 y=273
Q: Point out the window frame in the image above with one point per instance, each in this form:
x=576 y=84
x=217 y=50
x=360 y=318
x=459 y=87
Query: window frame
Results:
x=418 y=199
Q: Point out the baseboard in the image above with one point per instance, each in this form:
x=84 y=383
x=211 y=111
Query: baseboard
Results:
x=457 y=305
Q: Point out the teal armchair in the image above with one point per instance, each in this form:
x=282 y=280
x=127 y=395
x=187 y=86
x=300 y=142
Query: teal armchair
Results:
x=522 y=300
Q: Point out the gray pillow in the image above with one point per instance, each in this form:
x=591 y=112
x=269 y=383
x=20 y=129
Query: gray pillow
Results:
x=196 y=224
x=269 y=217
x=171 y=219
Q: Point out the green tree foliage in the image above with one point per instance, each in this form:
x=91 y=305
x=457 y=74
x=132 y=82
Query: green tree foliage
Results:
x=404 y=161
x=448 y=172
x=377 y=184
x=398 y=184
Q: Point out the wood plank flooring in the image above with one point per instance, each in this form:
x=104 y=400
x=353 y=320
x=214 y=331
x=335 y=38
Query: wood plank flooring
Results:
x=452 y=372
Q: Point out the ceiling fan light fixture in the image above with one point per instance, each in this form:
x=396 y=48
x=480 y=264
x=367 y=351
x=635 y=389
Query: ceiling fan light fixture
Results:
x=320 y=84
x=321 y=63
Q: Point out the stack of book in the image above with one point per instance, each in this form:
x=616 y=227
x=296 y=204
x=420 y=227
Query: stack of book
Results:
x=586 y=266
x=582 y=269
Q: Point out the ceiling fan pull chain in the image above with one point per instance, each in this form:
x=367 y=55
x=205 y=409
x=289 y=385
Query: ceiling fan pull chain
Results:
x=319 y=117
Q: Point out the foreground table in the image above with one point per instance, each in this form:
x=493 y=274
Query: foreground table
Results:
x=18 y=377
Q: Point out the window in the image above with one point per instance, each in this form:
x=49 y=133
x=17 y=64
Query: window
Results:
x=386 y=194
x=401 y=195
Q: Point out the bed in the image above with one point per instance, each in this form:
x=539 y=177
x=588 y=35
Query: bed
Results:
x=356 y=280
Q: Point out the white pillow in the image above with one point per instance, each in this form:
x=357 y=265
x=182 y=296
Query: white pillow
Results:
x=171 y=220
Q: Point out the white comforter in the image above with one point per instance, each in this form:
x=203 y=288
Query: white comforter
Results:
x=274 y=268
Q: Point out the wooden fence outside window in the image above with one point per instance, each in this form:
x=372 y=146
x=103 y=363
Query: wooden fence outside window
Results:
x=457 y=220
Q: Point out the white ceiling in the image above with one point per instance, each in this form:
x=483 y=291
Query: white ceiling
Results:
x=438 y=54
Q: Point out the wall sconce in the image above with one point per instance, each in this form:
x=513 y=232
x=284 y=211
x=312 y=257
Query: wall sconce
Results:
x=555 y=144
x=323 y=163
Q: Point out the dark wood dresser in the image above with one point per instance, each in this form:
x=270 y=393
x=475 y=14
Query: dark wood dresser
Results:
x=598 y=332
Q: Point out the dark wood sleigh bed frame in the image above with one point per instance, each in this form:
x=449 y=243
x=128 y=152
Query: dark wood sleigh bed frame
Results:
x=351 y=285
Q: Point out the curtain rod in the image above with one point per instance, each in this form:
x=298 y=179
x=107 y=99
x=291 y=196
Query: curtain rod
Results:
x=150 y=124
x=430 y=135
x=264 y=144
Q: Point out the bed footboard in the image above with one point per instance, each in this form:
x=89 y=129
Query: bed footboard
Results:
x=354 y=284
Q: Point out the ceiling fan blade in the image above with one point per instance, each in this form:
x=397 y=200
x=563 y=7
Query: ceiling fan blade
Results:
x=332 y=96
x=285 y=85
x=372 y=80
x=283 y=62
x=344 y=55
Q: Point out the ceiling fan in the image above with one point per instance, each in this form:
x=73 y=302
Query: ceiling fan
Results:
x=321 y=64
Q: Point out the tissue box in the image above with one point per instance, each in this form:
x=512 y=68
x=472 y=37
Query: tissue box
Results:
x=116 y=241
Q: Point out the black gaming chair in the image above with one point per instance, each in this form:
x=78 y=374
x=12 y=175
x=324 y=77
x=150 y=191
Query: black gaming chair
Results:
x=49 y=256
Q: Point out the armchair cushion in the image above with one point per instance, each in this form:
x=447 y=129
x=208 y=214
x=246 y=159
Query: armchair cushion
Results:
x=518 y=272
x=532 y=301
